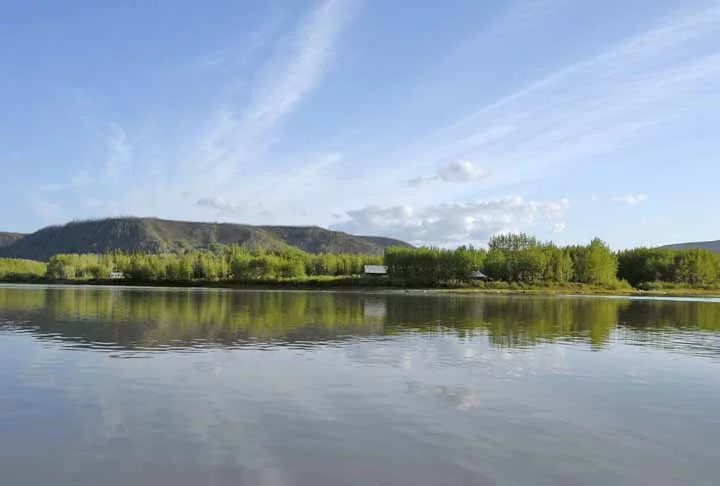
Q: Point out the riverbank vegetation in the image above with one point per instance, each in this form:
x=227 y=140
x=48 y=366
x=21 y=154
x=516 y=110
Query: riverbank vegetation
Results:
x=21 y=269
x=511 y=262
x=228 y=263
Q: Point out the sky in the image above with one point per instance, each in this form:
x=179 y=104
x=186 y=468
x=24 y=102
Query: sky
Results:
x=439 y=123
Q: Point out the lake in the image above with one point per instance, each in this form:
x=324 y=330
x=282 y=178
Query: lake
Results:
x=118 y=386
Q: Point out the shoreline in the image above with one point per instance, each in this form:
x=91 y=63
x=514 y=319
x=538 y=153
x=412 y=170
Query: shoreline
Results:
x=361 y=285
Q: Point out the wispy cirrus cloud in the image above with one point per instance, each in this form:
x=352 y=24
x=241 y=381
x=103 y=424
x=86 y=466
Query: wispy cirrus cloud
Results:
x=235 y=138
x=607 y=103
x=593 y=107
x=588 y=108
x=457 y=171
x=116 y=148
x=631 y=199
x=224 y=158
x=597 y=103
x=118 y=151
x=285 y=84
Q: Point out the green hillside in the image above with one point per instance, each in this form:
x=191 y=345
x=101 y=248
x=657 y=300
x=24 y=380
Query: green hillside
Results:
x=707 y=245
x=157 y=236
x=313 y=239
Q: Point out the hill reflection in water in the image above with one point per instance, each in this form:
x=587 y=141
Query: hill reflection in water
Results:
x=138 y=318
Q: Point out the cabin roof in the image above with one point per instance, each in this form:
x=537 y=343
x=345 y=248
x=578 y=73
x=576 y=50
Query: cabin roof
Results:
x=379 y=269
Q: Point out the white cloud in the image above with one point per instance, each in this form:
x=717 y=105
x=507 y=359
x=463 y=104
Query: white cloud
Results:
x=454 y=223
x=217 y=203
x=558 y=227
x=461 y=171
x=118 y=151
x=454 y=172
x=631 y=199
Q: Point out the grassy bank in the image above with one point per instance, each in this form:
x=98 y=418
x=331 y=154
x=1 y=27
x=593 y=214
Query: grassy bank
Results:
x=581 y=289
x=374 y=283
x=326 y=283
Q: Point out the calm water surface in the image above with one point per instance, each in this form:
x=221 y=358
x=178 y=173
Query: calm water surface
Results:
x=110 y=386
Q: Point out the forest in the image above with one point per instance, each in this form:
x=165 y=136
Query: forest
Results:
x=522 y=259
x=513 y=259
x=222 y=263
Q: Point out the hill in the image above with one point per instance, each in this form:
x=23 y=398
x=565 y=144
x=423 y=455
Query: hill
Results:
x=157 y=235
x=707 y=245
x=9 y=238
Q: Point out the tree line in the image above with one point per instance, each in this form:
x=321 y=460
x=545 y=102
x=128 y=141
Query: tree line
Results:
x=228 y=263
x=644 y=267
x=511 y=258
x=522 y=259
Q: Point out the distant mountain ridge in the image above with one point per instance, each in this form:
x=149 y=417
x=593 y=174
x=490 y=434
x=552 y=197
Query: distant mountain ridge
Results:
x=9 y=238
x=707 y=245
x=155 y=235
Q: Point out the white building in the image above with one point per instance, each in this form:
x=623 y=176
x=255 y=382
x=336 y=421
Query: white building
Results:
x=375 y=270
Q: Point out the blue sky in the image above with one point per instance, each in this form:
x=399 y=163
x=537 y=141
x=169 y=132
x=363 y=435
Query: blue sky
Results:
x=435 y=122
